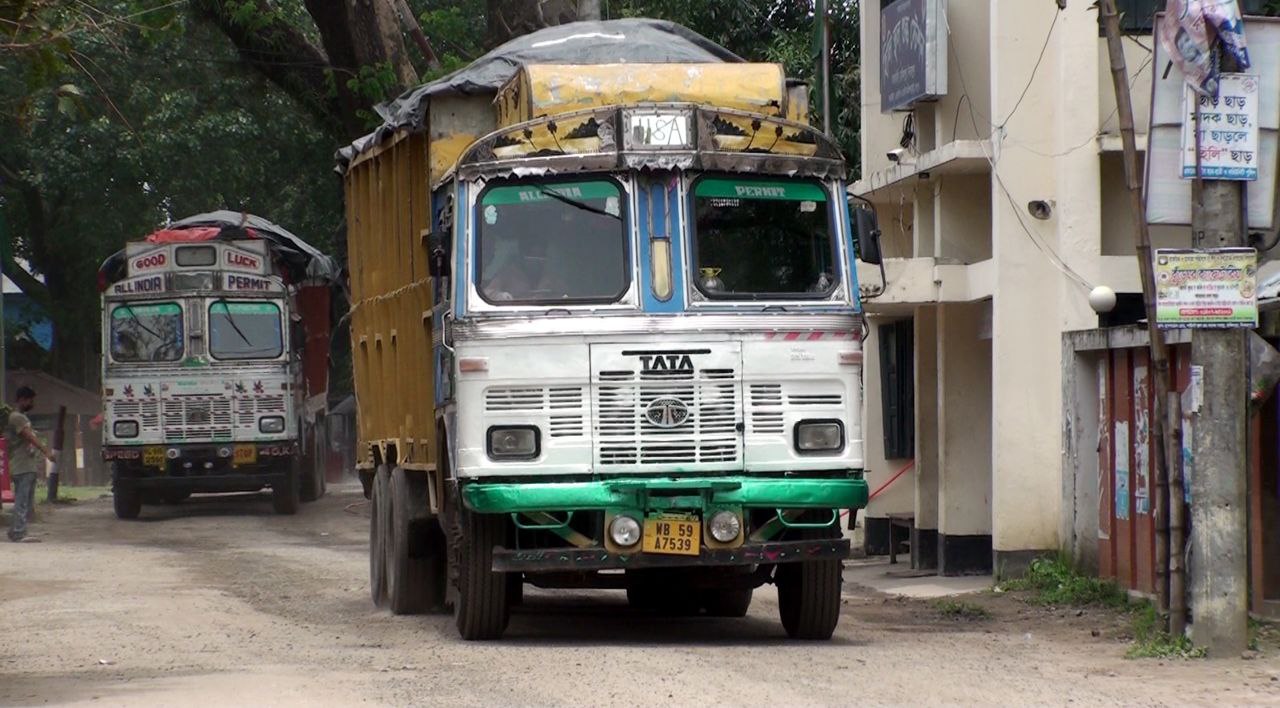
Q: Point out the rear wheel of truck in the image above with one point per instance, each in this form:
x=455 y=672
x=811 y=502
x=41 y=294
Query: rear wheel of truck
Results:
x=415 y=567
x=313 y=472
x=378 y=506
x=284 y=494
x=809 y=598
x=727 y=603
x=481 y=610
x=127 y=503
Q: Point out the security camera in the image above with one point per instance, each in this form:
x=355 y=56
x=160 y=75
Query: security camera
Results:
x=896 y=154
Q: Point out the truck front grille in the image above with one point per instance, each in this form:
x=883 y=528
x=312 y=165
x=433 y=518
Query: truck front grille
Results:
x=627 y=436
x=197 y=418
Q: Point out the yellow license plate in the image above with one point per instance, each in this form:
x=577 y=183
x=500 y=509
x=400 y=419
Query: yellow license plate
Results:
x=245 y=455
x=676 y=536
x=153 y=456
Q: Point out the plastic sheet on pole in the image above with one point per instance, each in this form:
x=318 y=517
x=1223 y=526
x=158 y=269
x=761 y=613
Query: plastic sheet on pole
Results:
x=1188 y=29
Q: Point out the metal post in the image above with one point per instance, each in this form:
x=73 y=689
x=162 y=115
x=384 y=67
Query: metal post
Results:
x=824 y=66
x=1168 y=452
x=1219 y=585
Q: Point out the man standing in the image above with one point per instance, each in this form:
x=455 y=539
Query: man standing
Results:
x=23 y=446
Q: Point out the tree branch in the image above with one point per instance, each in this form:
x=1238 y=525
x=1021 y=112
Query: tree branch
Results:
x=284 y=56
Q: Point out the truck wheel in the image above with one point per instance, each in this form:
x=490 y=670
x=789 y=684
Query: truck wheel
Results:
x=284 y=495
x=378 y=505
x=809 y=598
x=127 y=503
x=313 y=471
x=481 y=610
x=727 y=603
x=408 y=567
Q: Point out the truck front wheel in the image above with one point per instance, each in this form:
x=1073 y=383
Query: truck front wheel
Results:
x=127 y=502
x=482 y=610
x=809 y=598
x=379 y=505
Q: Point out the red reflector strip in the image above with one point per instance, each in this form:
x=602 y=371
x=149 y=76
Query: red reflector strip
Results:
x=850 y=336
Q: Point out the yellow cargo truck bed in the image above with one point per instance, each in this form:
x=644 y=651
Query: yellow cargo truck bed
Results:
x=539 y=90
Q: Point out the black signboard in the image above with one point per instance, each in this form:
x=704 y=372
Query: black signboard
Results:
x=912 y=53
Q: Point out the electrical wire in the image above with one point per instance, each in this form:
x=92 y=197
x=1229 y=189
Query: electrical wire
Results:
x=1034 y=70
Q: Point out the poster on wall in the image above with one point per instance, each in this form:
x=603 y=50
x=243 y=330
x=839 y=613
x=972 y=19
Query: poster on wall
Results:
x=1122 y=471
x=1228 y=140
x=1206 y=288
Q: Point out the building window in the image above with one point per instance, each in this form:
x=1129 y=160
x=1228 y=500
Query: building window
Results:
x=898 y=389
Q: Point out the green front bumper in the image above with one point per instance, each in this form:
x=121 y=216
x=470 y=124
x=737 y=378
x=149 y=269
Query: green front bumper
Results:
x=666 y=493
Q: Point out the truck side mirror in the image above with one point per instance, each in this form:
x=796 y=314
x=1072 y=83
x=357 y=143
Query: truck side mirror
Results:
x=437 y=255
x=867 y=230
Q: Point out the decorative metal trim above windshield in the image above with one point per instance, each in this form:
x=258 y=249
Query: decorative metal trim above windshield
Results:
x=681 y=136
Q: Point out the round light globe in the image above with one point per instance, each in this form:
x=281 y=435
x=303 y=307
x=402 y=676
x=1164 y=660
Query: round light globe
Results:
x=1102 y=299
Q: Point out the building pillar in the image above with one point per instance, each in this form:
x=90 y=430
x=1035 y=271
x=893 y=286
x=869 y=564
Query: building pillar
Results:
x=964 y=441
x=924 y=533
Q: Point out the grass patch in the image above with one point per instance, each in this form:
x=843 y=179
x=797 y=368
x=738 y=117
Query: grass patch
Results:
x=960 y=610
x=1054 y=581
x=72 y=495
x=1150 y=641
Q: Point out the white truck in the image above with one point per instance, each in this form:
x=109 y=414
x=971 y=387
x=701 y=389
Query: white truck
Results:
x=215 y=363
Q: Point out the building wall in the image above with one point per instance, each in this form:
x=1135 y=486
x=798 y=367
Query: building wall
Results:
x=1029 y=115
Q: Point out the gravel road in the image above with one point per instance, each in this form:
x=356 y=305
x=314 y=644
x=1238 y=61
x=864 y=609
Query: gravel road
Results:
x=217 y=601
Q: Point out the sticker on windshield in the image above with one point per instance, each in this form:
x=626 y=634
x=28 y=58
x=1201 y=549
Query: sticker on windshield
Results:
x=611 y=206
x=491 y=215
x=808 y=207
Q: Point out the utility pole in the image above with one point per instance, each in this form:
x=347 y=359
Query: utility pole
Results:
x=1219 y=541
x=824 y=61
x=1164 y=423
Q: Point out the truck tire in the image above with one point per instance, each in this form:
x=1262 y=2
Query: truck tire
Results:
x=127 y=503
x=408 y=567
x=313 y=471
x=378 y=505
x=285 y=495
x=727 y=603
x=481 y=610
x=809 y=598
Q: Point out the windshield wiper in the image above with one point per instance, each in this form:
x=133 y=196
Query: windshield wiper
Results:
x=575 y=203
x=231 y=319
x=136 y=320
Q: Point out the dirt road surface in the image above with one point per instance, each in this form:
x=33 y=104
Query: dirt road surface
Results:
x=217 y=601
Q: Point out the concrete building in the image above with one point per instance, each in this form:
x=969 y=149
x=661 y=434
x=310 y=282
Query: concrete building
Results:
x=999 y=186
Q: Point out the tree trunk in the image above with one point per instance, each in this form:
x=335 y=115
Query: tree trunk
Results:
x=508 y=19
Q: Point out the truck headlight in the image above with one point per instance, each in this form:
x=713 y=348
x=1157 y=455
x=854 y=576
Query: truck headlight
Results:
x=624 y=531
x=271 y=424
x=125 y=429
x=513 y=443
x=819 y=436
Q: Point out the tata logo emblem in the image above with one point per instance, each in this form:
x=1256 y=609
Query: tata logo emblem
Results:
x=667 y=412
x=666 y=362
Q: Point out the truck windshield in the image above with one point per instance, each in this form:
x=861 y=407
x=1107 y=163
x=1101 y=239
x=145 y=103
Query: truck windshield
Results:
x=758 y=239
x=245 y=330
x=552 y=244
x=150 y=332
